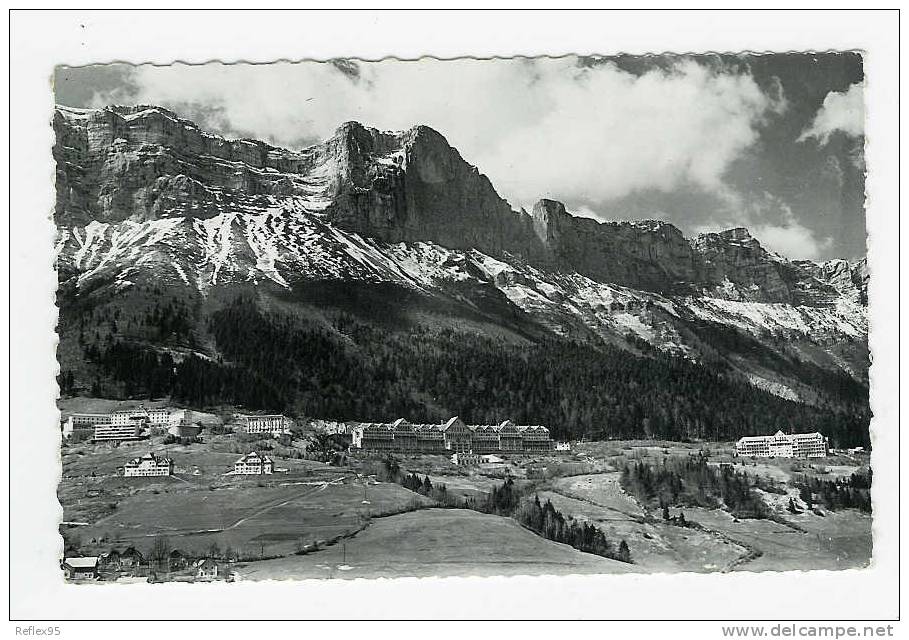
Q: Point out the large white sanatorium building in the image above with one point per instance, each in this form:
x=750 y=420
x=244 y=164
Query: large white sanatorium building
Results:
x=782 y=445
x=273 y=424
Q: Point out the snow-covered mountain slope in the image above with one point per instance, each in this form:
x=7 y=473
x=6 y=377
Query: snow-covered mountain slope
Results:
x=283 y=242
x=145 y=198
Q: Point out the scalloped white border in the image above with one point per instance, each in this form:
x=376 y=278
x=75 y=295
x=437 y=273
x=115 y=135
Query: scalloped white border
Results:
x=41 y=40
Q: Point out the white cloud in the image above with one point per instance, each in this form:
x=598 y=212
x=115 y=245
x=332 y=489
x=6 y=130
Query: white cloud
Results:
x=773 y=223
x=792 y=240
x=537 y=128
x=840 y=112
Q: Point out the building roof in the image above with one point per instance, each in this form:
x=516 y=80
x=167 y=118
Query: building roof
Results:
x=139 y=409
x=451 y=423
x=205 y=562
x=253 y=457
x=780 y=435
x=454 y=422
x=149 y=457
x=84 y=562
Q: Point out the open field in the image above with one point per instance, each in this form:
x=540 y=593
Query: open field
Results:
x=436 y=542
x=273 y=520
x=655 y=546
x=473 y=485
x=91 y=487
x=841 y=540
x=601 y=489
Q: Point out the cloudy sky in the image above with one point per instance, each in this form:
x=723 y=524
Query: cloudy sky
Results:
x=773 y=142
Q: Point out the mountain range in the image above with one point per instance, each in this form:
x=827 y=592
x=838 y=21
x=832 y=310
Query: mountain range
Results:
x=167 y=232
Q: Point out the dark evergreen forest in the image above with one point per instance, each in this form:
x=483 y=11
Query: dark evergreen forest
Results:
x=355 y=370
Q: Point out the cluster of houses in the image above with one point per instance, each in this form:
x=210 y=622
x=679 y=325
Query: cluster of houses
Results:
x=783 y=445
x=153 y=465
x=131 y=562
x=129 y=424
x=452 y=436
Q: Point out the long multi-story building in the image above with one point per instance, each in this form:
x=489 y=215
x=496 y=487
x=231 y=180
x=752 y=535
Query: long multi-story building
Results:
x=88 y=420
x=148 y=465
x=783 y=445
x=117 y=432
x=82 y=425
x=273 y=424
x=453 y=436
x=85 y=424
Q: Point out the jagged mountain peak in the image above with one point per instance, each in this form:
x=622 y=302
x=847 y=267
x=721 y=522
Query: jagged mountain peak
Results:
x=144 y=163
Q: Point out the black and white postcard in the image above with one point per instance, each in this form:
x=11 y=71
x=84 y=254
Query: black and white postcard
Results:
x=587 y=314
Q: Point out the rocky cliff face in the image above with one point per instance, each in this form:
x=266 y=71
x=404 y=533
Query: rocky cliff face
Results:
x=144 y=163
x=655 y=256
x=414 y=186
x=648 y=255
x=848 y=279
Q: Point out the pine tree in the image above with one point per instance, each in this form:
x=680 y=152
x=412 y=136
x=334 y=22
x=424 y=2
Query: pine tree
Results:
x=624 y=553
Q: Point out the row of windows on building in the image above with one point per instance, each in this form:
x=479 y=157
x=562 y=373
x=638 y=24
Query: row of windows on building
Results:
x=782 y=445
x=273 y=424
x=454 y=436
x=125 y=424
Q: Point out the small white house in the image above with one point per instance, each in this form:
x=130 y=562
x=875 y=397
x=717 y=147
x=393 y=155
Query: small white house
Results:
x=563 y=446
x=206 y=569
x=254 y=464
x=466 y=459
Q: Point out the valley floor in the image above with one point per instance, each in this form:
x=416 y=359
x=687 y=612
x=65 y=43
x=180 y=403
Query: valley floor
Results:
x=319 y=521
